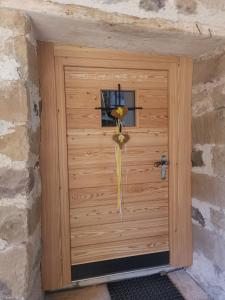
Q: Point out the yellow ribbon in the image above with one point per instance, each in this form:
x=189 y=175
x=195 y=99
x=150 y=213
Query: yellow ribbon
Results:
x=118 y=156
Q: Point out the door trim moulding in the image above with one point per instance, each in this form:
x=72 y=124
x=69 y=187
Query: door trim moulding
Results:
x=53 y=58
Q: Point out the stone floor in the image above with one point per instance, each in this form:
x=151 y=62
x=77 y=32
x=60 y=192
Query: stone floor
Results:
x=187 y=286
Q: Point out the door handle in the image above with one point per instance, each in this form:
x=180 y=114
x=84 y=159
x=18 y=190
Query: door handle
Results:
x=163 y=162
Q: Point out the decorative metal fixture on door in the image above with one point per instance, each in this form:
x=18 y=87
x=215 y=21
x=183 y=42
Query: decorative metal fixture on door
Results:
x=116 y=110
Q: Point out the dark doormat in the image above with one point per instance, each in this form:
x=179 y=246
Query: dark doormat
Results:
x=154 y=287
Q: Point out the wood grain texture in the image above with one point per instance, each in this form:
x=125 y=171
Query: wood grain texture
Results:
x=153 y=118
x=108 y=213
x=82 y=98
x=144 y=137
x=121 y=56
x=51 y=209
x=119 y=249
x=63 y=173
x=173 y=163
x=112 y=232
x=83 y=118
x=92 y=197
x=153 y=98
x=109 y=78
x=100 y=157
x=184 y=233
x=91 y=157
x=93 y=177
x=180 y=165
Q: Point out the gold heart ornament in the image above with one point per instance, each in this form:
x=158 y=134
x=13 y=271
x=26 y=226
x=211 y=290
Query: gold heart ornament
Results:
x=121 y=138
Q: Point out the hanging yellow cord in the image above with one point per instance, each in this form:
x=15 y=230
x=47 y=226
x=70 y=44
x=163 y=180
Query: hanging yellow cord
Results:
x=118 y=156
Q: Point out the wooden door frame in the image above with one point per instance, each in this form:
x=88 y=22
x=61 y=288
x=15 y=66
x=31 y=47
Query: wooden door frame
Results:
x=56 y=266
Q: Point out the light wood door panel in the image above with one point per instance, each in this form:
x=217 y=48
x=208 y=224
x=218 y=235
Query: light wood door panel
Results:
x=99 y=157
x=92 y=197
x=109 y=78
x=93 y=177
x=111 y=232
x=153 y=118
x=96 y=215
x=103 y=138
x=83 y=118
x=94 y=218
x=82 y=98
x=153 y=98
x=126 y=248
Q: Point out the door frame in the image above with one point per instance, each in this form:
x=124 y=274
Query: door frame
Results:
x=56 y=266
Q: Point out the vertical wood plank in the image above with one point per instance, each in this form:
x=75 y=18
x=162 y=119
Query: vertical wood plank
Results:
x=180 y=192
x=63 y=173
x=51 y=210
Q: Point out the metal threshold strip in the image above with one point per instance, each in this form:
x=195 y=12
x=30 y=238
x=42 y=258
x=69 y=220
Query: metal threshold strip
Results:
x=122 y=276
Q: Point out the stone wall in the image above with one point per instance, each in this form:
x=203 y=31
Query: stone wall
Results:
x=19 y=160
x=208 y=177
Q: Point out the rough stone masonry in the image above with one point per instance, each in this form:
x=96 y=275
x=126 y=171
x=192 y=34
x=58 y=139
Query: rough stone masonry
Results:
x=19 y=161
x=208 y=177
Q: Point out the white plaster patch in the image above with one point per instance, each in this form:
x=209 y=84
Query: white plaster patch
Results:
x=203 y=106
x=6 y=127
x=19 y=201
x=7 y=162
x=8 y=68
x=206 y=274
x=207 y=157
x=5 y=34
x=204 y=208
x=209 y=86
x=31 y=39
x=3 y=245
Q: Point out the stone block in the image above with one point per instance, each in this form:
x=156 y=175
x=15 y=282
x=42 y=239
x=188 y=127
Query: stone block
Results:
x=152 y=5
x=14 y=20
x=34 y=215
x=13 y=271
x=219 y=160
x=35 y=141
x=186 y=6
x=217 y=4
x=217 y=219
x=209 y=128
x=201 y=103
x=13 y=181
x=209 y=189
x=204 y=70
x=210 y=244
x=34 y=251
x=218 y=96
x=27 y=57
x=16 y=144
x=36 y=292
x=13 y=224
x=13 y=95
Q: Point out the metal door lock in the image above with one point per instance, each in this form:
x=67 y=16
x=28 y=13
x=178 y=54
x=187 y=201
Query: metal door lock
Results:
x=163 y=162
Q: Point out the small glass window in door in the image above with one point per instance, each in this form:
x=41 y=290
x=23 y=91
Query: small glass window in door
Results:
x=111 y=99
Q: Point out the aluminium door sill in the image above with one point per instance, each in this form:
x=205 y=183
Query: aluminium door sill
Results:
x=122 y=276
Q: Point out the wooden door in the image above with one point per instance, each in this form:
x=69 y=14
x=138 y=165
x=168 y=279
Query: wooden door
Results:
x=156 y=213
x=98 y=230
